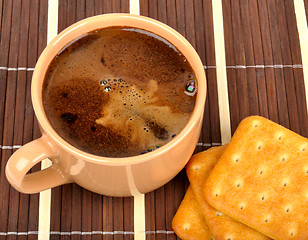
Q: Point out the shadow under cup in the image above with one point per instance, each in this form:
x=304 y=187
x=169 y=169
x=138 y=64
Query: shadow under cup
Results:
x=109 y=176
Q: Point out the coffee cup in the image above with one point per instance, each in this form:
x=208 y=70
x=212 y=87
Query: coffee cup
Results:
x=124 y=176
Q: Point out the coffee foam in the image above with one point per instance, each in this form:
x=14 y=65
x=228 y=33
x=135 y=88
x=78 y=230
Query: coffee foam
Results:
x=138 y=115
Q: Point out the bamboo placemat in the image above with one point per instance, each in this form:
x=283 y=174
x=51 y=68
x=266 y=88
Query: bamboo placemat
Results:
x=262 y=73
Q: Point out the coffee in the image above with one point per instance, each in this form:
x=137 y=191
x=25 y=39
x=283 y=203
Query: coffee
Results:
x=119 y=92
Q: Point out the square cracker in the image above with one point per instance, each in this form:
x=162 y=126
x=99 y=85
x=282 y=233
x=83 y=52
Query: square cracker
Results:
x=222 y=227
x=261 y=179
x=188 y=222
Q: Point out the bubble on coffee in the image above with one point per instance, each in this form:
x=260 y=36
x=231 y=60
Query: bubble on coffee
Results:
x=190 y=87
x=119 y=92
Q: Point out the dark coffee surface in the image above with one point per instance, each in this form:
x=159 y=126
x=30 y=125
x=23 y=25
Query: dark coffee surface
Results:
x=119 y=92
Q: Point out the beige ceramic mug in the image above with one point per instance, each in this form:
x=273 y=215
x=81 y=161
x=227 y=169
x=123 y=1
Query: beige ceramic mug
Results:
x=108 y=176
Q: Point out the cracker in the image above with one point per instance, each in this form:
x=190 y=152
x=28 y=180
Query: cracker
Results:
x=261 y=179
x=221 y=226
x=188 y=222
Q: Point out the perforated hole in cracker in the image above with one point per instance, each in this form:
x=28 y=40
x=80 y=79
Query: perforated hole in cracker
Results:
x=285 y=182
x=238 y=183
x=236 y=158
x=292 y=233
x=304 y=147
x=263 y=196
x=284 y=158
x=186 y=226
x=267 y=218
x=196 y=168
x=216 y=192
x=259 y=146
x=218 y=214
x=262 y=170
x=256 y=124
x=242 y=206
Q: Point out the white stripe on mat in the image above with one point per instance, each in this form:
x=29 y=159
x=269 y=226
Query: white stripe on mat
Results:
x=16 y=69
x=10 y=147
x=6 y=147
x=259 y=66
x=302 y=27
x=206 y=67
x=45 y=196
x=91 y=233
x=19 y=233
x=139 y=198
x=222 y=85
x=134 y=7
x=85 y=233
x=208 y=144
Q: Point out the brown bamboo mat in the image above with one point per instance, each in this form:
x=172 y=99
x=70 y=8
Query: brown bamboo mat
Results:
x=264 y=73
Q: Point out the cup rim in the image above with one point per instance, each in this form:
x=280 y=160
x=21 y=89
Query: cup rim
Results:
x=102 y=21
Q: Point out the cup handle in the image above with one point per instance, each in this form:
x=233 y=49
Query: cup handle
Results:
x=25 y=158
